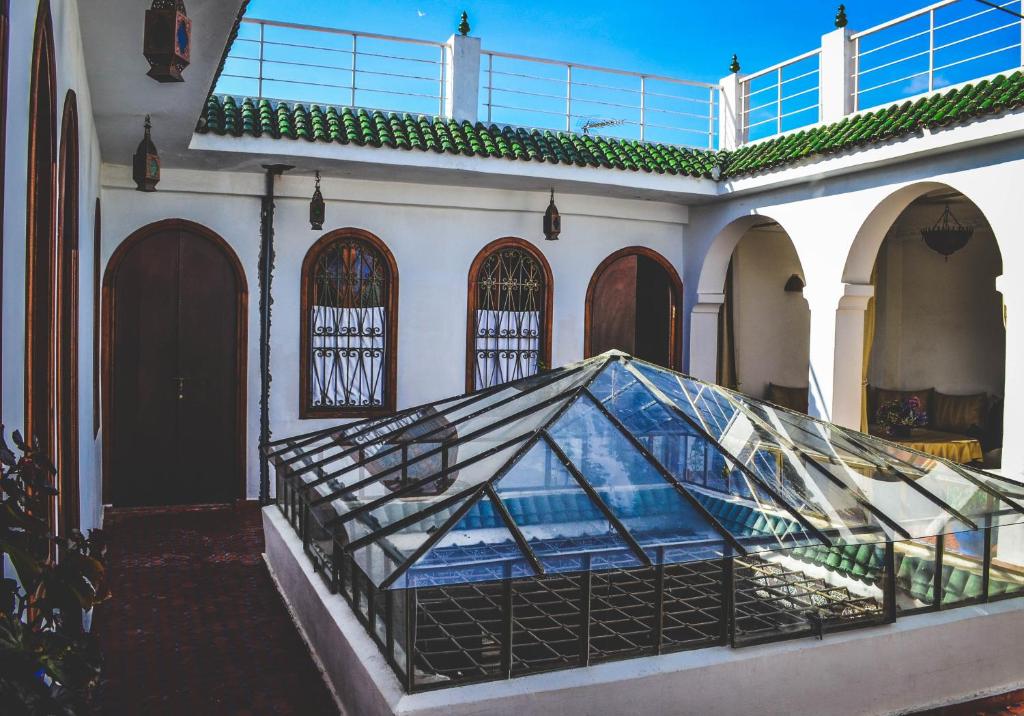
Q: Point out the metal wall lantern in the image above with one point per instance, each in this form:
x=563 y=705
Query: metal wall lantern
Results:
x=795 y=284
x=317 y=210
x=552 y=220
x=947 y=235
x=168 y=40
x=146 y=163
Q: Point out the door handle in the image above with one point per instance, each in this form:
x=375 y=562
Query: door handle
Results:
x=180 y=383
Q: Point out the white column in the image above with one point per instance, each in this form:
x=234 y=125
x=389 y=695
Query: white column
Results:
x=730 y=124
x=704 y=336
x=835 y=75
x=1013 y=402
x=837 y=350
x=462 y=78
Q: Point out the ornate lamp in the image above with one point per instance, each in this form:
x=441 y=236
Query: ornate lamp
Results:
x=146 y=163
x=552 y=220
x=168 y=40
x=947 y=235
x=316 y=208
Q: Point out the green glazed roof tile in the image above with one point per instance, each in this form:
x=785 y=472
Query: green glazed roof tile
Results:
x=225 y=115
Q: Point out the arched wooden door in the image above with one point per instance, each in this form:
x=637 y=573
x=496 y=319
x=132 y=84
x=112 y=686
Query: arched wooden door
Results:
x=175 y=307
x=633 y=305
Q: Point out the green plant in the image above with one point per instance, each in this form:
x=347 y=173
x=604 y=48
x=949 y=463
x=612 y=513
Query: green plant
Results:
x=49 y=664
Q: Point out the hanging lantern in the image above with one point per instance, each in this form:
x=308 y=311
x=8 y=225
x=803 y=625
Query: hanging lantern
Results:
x=146 y=163
x=168 y=40
x=316 y=208
x=947 y=235
x=552 y=220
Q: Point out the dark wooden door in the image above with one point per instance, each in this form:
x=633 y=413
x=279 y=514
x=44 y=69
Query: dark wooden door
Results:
x=633 y=309
x=175 y=372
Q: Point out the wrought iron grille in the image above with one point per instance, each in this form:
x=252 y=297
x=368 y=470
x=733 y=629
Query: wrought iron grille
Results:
x=348 y=326
x=510 y=317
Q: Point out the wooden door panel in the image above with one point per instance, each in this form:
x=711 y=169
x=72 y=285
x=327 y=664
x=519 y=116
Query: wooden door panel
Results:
x=613 y=314
x=208 y=362
x=654 y=313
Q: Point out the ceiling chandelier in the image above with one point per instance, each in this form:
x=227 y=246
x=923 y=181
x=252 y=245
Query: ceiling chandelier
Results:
x=947 y=235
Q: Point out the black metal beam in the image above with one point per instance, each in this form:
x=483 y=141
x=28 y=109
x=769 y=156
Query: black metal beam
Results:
x=517 y=535
x=634 y=546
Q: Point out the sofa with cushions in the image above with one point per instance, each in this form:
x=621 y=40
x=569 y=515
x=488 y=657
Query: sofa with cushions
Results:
x=958 y=417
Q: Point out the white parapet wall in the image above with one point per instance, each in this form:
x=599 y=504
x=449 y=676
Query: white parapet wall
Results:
x=921 y=661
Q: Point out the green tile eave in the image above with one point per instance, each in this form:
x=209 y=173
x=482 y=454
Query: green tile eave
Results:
x=229 y=116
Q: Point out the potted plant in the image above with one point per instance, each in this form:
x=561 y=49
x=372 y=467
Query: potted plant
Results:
x=49 y=663
x=899 y=417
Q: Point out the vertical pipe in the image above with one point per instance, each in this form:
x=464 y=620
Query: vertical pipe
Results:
x=586 y=584
x=711 y=117
x=266 y=276
x=259 y=81
x=490 y=84
x=986 y=564
x=931 y=50
x=889 y=583
x=506 y=622
x=856 y=74
x=659 y=600
x=389 y=626
x=778 y=101
x=410 y=639
x=440 y=85
x=728 y=602
x=643 y=105
x=354 y=54
x=568 y=98
x=940 y=548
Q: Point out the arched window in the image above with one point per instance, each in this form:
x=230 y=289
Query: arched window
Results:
x=349 y=317
x=509 y=320
x=40 y=271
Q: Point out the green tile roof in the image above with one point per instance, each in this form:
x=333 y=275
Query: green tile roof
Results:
x=225 y=115
x=956 y=106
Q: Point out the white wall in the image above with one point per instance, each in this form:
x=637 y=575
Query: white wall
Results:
x=939 y=323
x=772 y=328
x=434 y=233
x=70 y=74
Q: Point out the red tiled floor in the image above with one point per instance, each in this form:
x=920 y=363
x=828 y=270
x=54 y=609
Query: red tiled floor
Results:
x=195 y=625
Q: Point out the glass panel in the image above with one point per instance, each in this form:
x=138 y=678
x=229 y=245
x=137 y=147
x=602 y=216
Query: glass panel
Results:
x=647 y=505
x=1007 y=572
x=915 y=574
x=559 y=521
x=963 y=555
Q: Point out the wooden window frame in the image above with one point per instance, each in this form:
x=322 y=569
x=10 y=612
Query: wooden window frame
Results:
x=390 y=369
x=676 y=335
x=471 y=301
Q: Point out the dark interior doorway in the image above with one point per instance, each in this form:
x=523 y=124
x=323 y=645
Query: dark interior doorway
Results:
x=175 y=301
x=633 y=305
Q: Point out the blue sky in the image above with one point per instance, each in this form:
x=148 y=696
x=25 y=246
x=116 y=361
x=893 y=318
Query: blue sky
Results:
x=687 y=38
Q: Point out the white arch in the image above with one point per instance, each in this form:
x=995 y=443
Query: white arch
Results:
x=716 y=260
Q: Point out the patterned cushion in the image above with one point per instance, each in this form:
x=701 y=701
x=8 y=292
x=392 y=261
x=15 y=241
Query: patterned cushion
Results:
x=959 y=413
x=880 y=396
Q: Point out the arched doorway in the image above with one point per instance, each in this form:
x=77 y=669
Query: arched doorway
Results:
x=175 y=311
x=935 y=329
x=66 y=338
x=40 y=270
x=633 y=305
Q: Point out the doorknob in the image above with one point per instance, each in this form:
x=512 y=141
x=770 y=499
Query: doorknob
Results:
x=180 y=382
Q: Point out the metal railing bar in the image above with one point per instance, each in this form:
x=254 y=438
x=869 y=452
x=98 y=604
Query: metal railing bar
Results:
x=800 y=111
x=610 y=70
x=923 y=33
x=701 y=132
x=558 y=80
x=749 y=110
x=975 y=37
x=865 y=90
x=528 y=109
x=784 y=63
x=923 y=53
x=903 y=18
x=787 y=80
x=977 y=14
x=977 y=57
x=337 y=31
x=527 y=93
x=677 y=96
x=676 y=113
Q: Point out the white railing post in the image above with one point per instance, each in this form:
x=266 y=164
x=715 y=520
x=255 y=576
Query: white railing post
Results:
x=730 y=112
x=836 y=75
x=462 y=80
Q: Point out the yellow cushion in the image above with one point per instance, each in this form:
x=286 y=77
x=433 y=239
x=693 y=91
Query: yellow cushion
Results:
x=959 y=413
x=792 y=398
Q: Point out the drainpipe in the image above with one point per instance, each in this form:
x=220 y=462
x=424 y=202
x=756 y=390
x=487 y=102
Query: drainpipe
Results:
x=266 y=272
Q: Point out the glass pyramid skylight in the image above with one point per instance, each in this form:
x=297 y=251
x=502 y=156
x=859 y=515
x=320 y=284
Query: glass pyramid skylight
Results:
x=610 y=463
